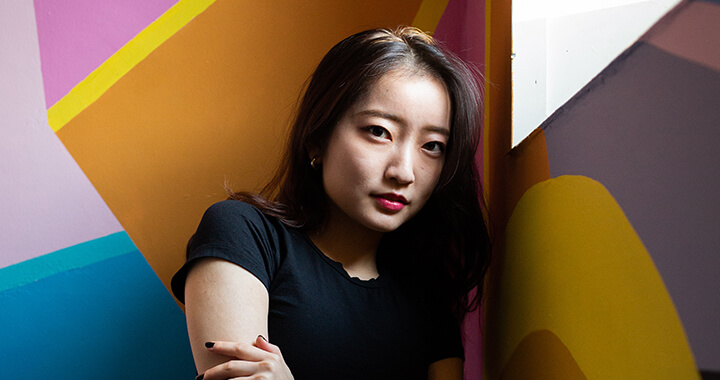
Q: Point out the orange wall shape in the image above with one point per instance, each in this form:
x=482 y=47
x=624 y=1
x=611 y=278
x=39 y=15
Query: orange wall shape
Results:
x=498 y=103
x=509 y=173
x=211 y=103
x=522 y=168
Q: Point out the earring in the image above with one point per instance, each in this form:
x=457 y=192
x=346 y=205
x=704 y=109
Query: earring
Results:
x=314 y=162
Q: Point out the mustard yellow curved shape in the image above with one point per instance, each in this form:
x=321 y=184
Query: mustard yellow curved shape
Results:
x=574 y=266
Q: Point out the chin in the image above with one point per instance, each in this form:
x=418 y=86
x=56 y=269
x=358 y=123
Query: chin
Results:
x=385 y=226
x=385 y=229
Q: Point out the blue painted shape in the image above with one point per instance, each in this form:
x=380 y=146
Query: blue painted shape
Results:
x=62 y=260
x=113 y=319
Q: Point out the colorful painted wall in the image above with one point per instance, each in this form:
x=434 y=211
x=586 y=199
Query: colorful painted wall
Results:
x=77 y=298
x=121 y=123
x=606 y=215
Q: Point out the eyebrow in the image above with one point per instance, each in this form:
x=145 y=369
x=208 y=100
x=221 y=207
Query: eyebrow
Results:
x=383 y=115
x=399 y=120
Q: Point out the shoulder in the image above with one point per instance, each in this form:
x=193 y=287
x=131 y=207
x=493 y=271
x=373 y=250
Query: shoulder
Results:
x=232 y=210
x=240 y=233
x=237 y=226
x=231 y=215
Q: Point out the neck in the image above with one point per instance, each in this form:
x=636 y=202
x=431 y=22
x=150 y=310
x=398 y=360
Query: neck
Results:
x=349 y=243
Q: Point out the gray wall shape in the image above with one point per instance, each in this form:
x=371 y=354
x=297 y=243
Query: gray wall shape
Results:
x=648 y=128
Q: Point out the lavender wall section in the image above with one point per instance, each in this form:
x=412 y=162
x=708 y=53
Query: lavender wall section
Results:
x=77 y=299
x=47 y=202
x=648 y=128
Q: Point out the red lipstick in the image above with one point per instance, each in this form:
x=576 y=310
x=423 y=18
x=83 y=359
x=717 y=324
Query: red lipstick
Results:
x=391 y=201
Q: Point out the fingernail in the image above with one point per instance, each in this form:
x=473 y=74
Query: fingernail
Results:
x=209 y=344
x=262 y=337
x=200 y=376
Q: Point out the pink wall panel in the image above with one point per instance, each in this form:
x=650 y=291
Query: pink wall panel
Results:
x=75 y=38
x=462 y=30
x=47 y=202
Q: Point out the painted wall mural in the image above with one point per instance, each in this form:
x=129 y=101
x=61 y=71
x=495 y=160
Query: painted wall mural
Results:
x=608 y=266
x=77 y=298
x=122 y=121
x=121 y=124
x=581 y=295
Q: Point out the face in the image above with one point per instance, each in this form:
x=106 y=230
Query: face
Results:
x=384 y=157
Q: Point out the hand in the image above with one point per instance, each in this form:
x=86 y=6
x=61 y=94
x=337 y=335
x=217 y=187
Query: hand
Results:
x=260 y=359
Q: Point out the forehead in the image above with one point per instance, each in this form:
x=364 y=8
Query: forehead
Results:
x=408 y=96
x=401 y=72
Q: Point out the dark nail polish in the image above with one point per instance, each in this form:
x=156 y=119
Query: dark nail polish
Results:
x=200 y=376
x=209 y=344
x=262 y=337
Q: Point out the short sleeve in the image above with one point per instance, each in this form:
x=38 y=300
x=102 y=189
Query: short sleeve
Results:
x=237 y=232
x=445 y=337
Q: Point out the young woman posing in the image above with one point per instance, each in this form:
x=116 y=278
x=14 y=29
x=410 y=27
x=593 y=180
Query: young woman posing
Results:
x=357 y=258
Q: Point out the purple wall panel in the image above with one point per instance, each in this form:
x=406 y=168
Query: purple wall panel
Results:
x=648 y=128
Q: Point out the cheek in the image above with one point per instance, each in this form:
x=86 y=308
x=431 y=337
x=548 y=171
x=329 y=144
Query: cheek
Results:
x=345 y=165
x=431 y=176
x=350 y=156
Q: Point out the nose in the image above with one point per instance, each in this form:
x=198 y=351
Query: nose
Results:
x=400 y=167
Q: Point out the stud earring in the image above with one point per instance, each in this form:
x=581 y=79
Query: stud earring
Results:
x=314 y=163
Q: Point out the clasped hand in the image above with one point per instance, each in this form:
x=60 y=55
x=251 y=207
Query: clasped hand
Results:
x=260 y=360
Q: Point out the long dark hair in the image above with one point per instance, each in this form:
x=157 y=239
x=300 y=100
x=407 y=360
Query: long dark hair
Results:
x=447 y=243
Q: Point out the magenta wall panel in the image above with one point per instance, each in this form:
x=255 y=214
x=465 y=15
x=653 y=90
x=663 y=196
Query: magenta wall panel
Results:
x=462 y=30
x=77 y=37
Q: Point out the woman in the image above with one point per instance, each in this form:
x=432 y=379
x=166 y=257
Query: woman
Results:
x=357 y=258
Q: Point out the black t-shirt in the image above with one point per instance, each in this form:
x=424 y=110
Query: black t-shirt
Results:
x=327 y=324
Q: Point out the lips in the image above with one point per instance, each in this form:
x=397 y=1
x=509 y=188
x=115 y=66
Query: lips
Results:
x=391 y=201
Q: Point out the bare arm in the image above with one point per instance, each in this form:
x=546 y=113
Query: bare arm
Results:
x=446 y=369
x=224 y=302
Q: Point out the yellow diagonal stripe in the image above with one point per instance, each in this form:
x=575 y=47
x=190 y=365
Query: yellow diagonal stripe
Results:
x=101 y=79
x=429 y=14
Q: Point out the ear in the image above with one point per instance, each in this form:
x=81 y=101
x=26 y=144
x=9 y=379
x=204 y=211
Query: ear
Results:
x=314 y=151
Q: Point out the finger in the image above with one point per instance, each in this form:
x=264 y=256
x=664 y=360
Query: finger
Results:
x=264 y=345
x=229 y=370
x=237 y=350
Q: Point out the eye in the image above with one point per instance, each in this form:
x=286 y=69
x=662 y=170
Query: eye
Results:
x=434 y=147
x=378 y=131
